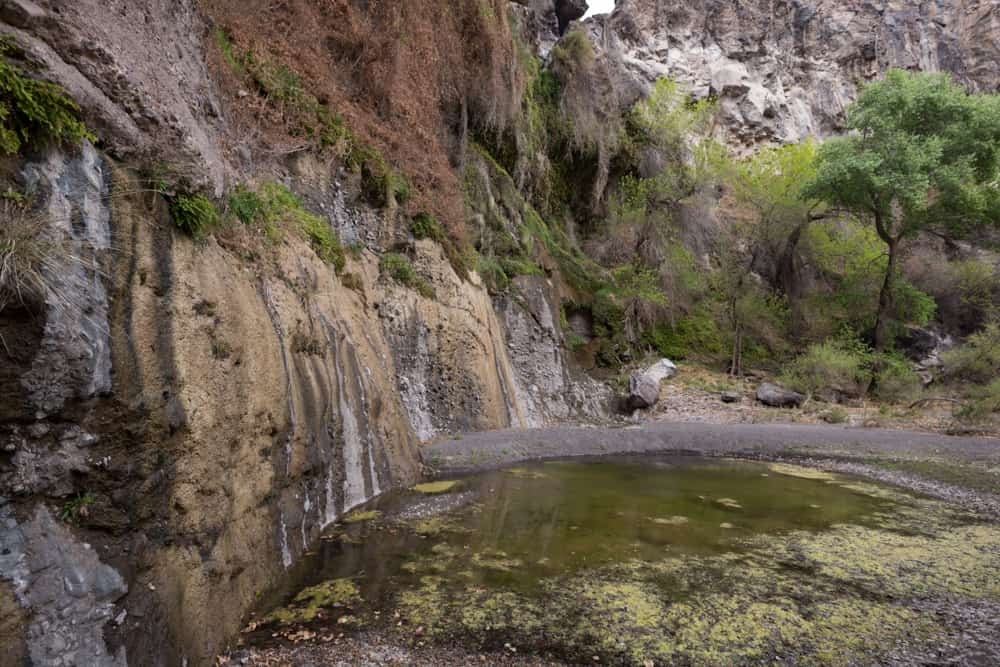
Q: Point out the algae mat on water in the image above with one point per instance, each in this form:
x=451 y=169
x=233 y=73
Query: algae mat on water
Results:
x=672 y=561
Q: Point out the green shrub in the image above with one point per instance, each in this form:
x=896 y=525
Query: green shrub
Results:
x=575 y=341
x=356 y=248
x=323 y=239
x=246 y=205
x=979 y=359
x=985 y=402
x=911 y=304
x=573 y=52
x=696 y=335
x=608 y=313
x=34 y=112
x=609 y=353
x=381 y=185
x=397 y=267
x=520 y=266
x=895 y=379
x=229 y=53
x=976 y=281
x=844 y=367
x=193 y=214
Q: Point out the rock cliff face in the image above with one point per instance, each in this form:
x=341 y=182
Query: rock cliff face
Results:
x=197 y=414
x=785 y=70
x=197 y=418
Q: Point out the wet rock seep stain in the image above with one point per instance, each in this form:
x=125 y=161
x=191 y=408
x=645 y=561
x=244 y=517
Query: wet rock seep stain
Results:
x=657 y=560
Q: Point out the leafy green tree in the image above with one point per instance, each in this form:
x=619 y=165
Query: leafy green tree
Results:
x=922 y=154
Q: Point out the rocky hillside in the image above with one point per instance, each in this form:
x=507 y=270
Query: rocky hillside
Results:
x=296 y=239
x=784 y=71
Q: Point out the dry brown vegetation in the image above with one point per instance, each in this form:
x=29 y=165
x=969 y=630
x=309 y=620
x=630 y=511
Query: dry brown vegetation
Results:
x=407 y=77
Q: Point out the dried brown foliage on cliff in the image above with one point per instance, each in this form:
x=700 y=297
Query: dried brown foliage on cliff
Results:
x=408 y=77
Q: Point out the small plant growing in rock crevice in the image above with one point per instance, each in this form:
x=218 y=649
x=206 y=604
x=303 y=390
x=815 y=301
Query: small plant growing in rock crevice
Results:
x=245 y=205
x=282 y=205
x=75 y=508
x=34 y=112
x=424 y=226
x=271 y=206
x=193 y=214
x=835 y=416
x=400 y=269
x=25 y=257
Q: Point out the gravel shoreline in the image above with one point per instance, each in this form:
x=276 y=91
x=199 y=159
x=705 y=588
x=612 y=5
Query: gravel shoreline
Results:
x=495 y=449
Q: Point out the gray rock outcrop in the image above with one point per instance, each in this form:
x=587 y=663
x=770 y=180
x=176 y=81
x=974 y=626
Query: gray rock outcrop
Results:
x=68 y=590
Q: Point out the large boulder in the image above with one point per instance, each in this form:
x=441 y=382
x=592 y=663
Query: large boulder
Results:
x=779 y=397
x=644 y=386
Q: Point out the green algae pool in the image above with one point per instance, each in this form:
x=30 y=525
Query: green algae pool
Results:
x=655 y=560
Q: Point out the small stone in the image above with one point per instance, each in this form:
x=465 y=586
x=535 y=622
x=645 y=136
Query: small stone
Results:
x=731 y=397
x=38 y=430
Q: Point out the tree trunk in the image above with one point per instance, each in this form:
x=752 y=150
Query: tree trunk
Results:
x=885 y=299
x=735 y=366
x=785 y=277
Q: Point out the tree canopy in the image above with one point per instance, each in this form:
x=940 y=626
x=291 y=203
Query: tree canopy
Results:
x=921 y=154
